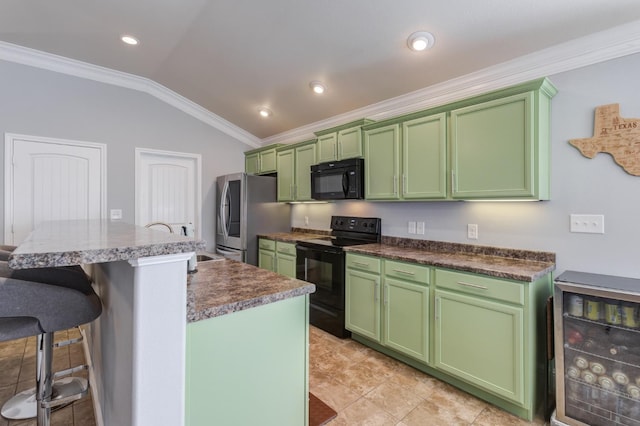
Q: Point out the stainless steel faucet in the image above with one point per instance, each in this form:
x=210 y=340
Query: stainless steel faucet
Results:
x=149 y=225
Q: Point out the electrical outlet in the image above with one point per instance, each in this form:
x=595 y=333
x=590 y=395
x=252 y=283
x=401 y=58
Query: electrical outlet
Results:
x=411 y=228
x=420 y=228
x=587 y=223
x=472 y=231
x=115 y=214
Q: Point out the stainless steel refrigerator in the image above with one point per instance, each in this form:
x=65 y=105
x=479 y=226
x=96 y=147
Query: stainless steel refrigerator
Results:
x=246 y=206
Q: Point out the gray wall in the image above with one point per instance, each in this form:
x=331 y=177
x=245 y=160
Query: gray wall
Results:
x=44 y=103
x=579 y=185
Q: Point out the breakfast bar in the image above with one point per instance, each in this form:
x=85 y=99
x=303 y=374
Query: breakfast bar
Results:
x=161 y=330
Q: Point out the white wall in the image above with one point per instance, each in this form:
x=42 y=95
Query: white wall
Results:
x=44 y=103
x=579 y=185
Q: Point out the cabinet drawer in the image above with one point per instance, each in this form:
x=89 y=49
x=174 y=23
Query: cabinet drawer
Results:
x=364 y=263
x=285 y=248
x=407 y=271
x=265 y=244
x=480 y=285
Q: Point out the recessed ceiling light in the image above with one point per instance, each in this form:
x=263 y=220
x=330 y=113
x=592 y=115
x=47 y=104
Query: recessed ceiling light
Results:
x=420 y=40
x=129 y=40
x=264 y=112
x=317 y=87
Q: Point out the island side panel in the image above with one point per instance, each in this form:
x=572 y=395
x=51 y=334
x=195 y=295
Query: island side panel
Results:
x=137 y=346
x=250 y=367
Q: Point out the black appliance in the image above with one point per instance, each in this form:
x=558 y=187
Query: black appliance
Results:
x=322 y=262
x=338 y=180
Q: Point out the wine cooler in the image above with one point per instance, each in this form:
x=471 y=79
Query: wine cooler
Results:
x=597 y=350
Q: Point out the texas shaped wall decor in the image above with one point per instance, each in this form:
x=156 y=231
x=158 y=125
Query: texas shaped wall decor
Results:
x=613 y=135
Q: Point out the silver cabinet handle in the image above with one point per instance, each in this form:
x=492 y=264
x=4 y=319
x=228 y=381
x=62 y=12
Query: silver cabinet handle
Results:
x=453 y=180
x=404 y=184
x=437 y=308
x=366 y=265
x=385 y=294
x=480 y=287
x=395 y=185
x=375 y=292
x=400 y=271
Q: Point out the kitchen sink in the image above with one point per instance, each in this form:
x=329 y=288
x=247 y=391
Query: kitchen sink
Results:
x=208 y=258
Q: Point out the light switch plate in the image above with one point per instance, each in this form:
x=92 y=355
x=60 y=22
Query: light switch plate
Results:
x=115 y=214
x=472 y=231
x=411 y=228
x=587 y=223
x=420 y=228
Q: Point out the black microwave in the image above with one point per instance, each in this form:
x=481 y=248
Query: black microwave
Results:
x=338 y=180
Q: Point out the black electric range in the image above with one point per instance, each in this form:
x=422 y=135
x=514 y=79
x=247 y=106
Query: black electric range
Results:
x=322 y=262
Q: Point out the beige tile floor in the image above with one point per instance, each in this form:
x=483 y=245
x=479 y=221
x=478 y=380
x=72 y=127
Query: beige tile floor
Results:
x=368 y=388
x=17 y=373
x=362 y=385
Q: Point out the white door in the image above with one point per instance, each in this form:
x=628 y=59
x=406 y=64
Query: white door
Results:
x=168 y=187
x=51 y=179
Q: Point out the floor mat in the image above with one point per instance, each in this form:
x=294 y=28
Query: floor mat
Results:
x=319 y=412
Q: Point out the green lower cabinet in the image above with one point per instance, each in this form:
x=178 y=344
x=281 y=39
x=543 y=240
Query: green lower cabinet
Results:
x=406 y=318
x=481 y=341
x=249 y=367
x=286 y=265
x=267 y=260
x=400 y=318
x=362 y=303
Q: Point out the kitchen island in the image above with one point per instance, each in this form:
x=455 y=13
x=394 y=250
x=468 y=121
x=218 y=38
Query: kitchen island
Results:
x=137 y=348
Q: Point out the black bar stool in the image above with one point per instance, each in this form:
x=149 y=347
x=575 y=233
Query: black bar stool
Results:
x=39 y=302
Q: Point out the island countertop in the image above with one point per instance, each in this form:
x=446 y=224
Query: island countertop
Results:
x=225 y=286
x=74 y=242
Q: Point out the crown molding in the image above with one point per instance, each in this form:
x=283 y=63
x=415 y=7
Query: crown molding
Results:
x=35 y=58
x=598 y=47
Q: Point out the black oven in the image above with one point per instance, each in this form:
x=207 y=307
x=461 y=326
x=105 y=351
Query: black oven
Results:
x=322 y=262
x=338 y=180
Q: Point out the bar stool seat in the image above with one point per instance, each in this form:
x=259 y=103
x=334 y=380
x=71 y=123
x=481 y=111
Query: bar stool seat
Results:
x=39 y=302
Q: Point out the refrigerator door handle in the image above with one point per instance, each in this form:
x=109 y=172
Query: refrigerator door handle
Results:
x=223 y=209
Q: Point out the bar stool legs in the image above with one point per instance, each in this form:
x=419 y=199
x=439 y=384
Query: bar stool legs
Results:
x=44 y=362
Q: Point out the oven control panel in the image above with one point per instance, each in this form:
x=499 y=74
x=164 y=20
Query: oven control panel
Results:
x=367 y=225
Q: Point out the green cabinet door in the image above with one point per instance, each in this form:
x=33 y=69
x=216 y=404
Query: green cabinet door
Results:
x=305 y=157
x=267 y=260
x=492 y=149
x=481 y=342
x=424 y=157
x=268 y=161
x=286 y=265
x=362 y=303
x=327 y=147
x=286 y=172
x=350 y=143
x=406 y=318
x=251 y=163
x=382 y=157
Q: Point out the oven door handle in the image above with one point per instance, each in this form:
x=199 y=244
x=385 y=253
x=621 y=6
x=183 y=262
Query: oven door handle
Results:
x=317 y=250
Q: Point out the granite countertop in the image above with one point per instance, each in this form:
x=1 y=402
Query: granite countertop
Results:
x=225 y=286
x=520 y=265
x=74 y=242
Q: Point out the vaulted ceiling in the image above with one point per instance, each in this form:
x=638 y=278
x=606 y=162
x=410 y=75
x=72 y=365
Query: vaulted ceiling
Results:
x=234 y=56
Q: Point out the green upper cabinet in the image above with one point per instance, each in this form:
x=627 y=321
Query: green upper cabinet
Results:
x=500 y=146
x=305 y=158
x=294 y=171
x=341 y=142
x=327 y=147
x=424 y=157
x=492 y=146
x=261 y=161
x=382 y=163
x=407 y=160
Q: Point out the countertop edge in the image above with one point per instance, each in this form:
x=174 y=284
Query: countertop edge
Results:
x=193 y=315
